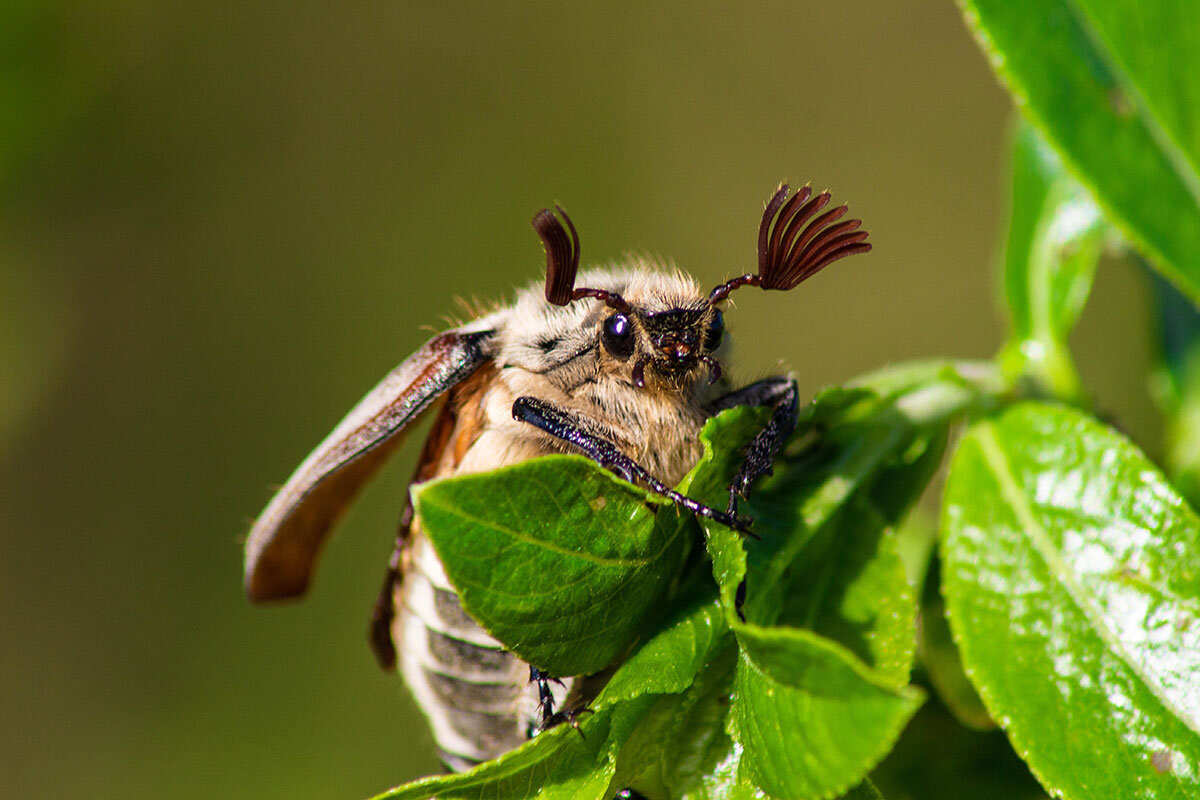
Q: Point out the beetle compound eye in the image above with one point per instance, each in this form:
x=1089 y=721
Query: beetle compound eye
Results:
x=715 y=332
x=618 y=336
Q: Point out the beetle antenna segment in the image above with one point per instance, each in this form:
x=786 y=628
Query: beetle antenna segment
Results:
x=795 y=243
x=562 y=262
x=562 y=254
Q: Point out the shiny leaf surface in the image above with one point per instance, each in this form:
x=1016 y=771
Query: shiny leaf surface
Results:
x=1072 y=581
x=1112 y=84
x=560 y=764
x=809 y=716
x=1054 y=241
x=554 y=557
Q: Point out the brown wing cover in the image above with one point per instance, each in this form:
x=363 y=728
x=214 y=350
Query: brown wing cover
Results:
x=456 y=427
x=454 y=430
x=285 y=540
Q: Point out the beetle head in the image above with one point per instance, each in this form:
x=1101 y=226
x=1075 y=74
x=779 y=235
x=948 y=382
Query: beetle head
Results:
x=797 y=238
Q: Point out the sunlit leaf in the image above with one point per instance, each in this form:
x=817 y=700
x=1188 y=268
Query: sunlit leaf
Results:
x=811 y=719
x=1113 y=85
x=554 y=557
x=1072 y=580
x=560 y=764
x=1054 y=241
x=668 y=662
x=826 y=559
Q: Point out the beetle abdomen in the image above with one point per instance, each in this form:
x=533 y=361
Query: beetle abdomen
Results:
x=476 y=695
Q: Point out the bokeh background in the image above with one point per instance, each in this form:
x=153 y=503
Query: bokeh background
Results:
x=220 y=223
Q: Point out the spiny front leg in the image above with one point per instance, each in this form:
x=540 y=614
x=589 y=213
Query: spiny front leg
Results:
x=548 y=717
x=578 y=432
x=545 y=696
x=781 y=393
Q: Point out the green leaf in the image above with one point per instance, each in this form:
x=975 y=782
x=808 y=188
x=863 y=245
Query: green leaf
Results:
x=943 y=662
x=850 y=584
x=864 y=791
x=560 y=764
x=555 y=557
x=826 y=559
x=1177 y=385
x=694 y=756
x=1054 y=241
x=811 y=719
x=724 y=437
x=1113 y=86
x=668 y=662
x=1072 y=581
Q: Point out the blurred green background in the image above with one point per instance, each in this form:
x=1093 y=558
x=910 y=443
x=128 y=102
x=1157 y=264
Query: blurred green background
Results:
x=222 y=222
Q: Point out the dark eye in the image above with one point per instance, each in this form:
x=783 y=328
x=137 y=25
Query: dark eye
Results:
x=715 y=332
x=618 y=336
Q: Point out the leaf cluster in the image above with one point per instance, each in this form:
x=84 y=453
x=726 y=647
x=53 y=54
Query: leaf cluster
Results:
x=1058 y=597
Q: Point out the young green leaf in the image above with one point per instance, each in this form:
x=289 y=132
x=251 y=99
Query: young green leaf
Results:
x=857 y=594
x=689 y=752
x=826 y=559
x=811 y=719
x=668 y=663
x=1055 y=236
x=560 y=764
x=724 y=438
x=850 y=584
x=1112 y=86
x=1072 y=581
x=555 y=557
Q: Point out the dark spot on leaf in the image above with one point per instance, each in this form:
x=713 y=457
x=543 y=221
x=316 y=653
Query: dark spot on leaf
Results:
x=1161 y=761
x=1120 y=103
x=1129 y=574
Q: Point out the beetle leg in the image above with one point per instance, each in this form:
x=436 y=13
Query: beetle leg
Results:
x=548 y=716
x=571 y=717
x=559 y=423
x=781 y=393
x=545 y=696
x=784 y=395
